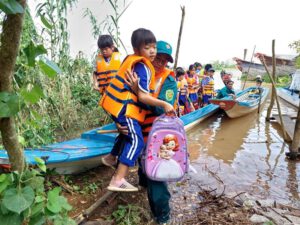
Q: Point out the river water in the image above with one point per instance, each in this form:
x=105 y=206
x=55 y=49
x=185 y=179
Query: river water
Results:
x=244 y=154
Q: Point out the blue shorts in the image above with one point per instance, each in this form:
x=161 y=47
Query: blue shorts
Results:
x=182 y=100
x=206 y=98
x=193 y=97
x=130 y=146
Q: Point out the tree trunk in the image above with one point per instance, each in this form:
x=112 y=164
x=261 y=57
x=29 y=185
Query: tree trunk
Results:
x=179 y=36
x=9 y=47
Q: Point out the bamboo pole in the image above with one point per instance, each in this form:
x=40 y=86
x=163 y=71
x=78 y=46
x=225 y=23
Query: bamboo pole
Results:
x=245 y=53
x=294 y=150
x=274 y=78
x=249 y=67
x=107 y=131
x=179 y=35
x=276 y=98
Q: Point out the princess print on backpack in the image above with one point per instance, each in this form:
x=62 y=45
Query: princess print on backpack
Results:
x=168 y=167
x=166 y=157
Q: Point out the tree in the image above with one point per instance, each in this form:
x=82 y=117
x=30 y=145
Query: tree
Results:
x=296 y=45
x=9 y=47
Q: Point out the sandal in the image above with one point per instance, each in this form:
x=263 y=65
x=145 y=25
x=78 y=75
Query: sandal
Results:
x=121 y=186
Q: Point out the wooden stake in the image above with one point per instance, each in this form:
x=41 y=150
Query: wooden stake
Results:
x=249 y=67
x=179 y=35
x=258 y=109
x=245 y=53
x=275 y=93
x=274 y=78
x=87 y=213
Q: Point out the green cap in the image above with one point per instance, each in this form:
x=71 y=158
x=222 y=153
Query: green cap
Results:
x=165 y=48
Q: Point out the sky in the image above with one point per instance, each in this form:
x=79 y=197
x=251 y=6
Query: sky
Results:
x=213 y=29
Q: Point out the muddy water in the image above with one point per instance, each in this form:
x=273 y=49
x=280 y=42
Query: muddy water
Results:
x=244 y=154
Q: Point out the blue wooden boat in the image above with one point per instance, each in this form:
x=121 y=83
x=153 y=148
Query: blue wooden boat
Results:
x=289 y=96
x=291 y=93
x=246 y=102
x=78 y=155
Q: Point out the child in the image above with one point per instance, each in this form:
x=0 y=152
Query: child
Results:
x=258 y=88
x=204 y=74
x=127 y=109
x=208 y=86
x=193 y=86
x=107 y=63
x=198 y=68
x=183 y=93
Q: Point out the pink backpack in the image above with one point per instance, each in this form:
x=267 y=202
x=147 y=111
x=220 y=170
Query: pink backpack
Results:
x=166 y=156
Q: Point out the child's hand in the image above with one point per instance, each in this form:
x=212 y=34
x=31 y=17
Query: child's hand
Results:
x=122 y=129
x=96 y=87
x=132 y=81
x=168 y=108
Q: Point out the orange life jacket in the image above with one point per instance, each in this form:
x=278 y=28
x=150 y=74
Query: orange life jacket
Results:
x=105 y=71
x=209 y=88
x=191 y=82
x=150 y=116
x=119 y=95
x=182 y=87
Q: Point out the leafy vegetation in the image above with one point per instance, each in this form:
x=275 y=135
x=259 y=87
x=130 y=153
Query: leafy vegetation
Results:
x=110 y=24
x=51 y=94
x=296 y=45
x=24 y=200
x=128 y=215
x=52 y=105
x=221 y=65
x=281 y=81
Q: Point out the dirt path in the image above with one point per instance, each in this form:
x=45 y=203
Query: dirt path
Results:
x=191 y=203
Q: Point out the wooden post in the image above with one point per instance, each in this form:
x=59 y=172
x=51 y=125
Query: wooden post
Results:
x=276 y=98
x=294 y=150
x=179 y=35
x=259 y=102
x=245 y=53
x=249 y=67
x=274 y=78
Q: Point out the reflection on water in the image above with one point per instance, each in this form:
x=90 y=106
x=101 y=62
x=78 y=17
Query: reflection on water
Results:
x=247 y=154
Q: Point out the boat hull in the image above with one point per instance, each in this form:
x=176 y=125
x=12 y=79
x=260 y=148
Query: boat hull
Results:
x=78 y=155
x=243 y=104
x=258 y=69
x=287 y=96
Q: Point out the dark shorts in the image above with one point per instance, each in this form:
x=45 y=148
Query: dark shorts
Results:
x=132 y=144
x=193 y=97
x=206 y=98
